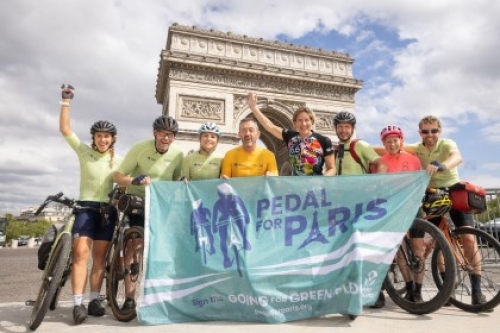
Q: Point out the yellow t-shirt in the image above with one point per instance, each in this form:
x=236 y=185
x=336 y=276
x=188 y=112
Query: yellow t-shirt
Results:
x=239 y=163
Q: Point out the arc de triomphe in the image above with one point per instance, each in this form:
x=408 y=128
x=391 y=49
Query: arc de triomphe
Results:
x=204 y=75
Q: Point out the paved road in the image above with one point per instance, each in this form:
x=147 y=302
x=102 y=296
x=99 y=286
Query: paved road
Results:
x=20 y=277
x=19 y=280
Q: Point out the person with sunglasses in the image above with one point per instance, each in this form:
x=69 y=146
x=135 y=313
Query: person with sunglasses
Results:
x=440 y=157
x=150 y=160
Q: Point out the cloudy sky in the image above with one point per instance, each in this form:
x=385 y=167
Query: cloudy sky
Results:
x=437 y=57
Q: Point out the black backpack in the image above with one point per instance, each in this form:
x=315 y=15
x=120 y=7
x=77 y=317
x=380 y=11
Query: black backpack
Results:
x=48 y=240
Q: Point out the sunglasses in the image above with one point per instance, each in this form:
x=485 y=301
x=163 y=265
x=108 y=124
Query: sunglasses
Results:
x=433 y=131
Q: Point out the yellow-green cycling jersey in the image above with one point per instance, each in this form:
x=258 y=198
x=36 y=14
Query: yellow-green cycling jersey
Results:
x=96 y=170
x=366 y=154
x=440 y=153
x=197 y=166
x=143 y=158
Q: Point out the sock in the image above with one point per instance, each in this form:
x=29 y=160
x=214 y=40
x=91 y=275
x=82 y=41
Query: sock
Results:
x=475 y=281
x=418 y=288
x=78 y=300
x=95 y=295
x=409 y=286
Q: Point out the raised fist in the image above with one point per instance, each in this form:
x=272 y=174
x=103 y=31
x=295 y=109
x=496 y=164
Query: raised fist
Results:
x=67 y=91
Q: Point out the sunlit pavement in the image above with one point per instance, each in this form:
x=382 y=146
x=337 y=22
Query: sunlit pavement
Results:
x=14 y=317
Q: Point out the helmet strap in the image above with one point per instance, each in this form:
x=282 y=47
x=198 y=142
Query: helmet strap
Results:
x=160 y=152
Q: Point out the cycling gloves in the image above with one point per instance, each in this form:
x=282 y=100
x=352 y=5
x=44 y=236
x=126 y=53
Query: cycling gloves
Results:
x=67 y=91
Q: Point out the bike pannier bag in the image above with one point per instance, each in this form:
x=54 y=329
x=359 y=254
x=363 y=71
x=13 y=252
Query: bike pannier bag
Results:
x=131 y=204
x=467 y=197
x=48 y=240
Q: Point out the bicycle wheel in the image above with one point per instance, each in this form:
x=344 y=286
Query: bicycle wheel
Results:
x=488 y=252
x=419 y=266
x=51 y=280
x=119 y=271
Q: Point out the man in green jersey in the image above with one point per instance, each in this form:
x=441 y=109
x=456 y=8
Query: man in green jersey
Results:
x=440 y=157
x=149 y=160
x=345 y=124
x=152 y=159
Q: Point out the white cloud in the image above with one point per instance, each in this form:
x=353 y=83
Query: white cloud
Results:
x=444 y=62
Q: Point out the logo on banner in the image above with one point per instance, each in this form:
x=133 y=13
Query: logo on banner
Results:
x=229 y=218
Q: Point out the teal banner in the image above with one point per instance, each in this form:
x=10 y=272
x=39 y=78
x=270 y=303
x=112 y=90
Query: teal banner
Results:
x=272 y=249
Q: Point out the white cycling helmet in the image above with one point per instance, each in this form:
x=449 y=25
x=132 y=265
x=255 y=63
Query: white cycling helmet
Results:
x=210 y=128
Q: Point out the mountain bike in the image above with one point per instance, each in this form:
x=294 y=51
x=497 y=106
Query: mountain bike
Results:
x=58 y=267
x=126 y=265
x=413 y=262
x=484 y=261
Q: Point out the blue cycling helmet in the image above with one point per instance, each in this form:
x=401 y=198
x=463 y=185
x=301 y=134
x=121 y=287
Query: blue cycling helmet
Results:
x=210 y=128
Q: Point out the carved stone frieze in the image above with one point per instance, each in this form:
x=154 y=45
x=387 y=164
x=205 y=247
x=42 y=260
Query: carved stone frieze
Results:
x=253 y=83
x=291 y=105
x=277 y=57
x=244 y=39
x=324 y=121
x=192 y=107
x=239 y=105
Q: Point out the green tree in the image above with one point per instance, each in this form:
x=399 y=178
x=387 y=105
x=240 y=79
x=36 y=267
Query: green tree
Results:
x=17 y=228
x=493 y=211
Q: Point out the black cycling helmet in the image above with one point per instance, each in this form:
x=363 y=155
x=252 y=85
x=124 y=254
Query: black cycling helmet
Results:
x=437 y=204
x=166 y=123
x=344 y=117
x=103 y=126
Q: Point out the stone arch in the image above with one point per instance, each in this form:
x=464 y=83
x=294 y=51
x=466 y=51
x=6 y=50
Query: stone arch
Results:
x=205 y=75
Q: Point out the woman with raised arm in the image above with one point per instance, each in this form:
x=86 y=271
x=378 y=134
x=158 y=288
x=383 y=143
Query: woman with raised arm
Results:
x=92 y=230
x=308 y=152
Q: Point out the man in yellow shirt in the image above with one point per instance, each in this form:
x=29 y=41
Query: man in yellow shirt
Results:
x=248 y=159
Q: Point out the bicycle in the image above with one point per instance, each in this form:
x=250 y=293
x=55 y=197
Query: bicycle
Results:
x=485 y=262
x=58 y=266
x=413 y=263
x=126 y=267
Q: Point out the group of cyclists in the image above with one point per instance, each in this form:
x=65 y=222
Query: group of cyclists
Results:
x=309 y=154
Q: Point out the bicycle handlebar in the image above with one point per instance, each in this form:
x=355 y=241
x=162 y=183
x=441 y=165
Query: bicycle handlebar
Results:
x=56 y=198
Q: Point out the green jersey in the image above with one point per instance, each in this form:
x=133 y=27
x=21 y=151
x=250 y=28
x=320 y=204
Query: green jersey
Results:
x=143 y=159
x=196 y=166
x=96 y=170
x=443 y=149
x=366 y=154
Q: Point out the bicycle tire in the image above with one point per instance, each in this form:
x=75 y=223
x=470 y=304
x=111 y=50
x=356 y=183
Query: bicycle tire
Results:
x=66 y=274
x=433 y=297
x=51 y=281
x=490 y=272
x=116 y=282
x=109 y=259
